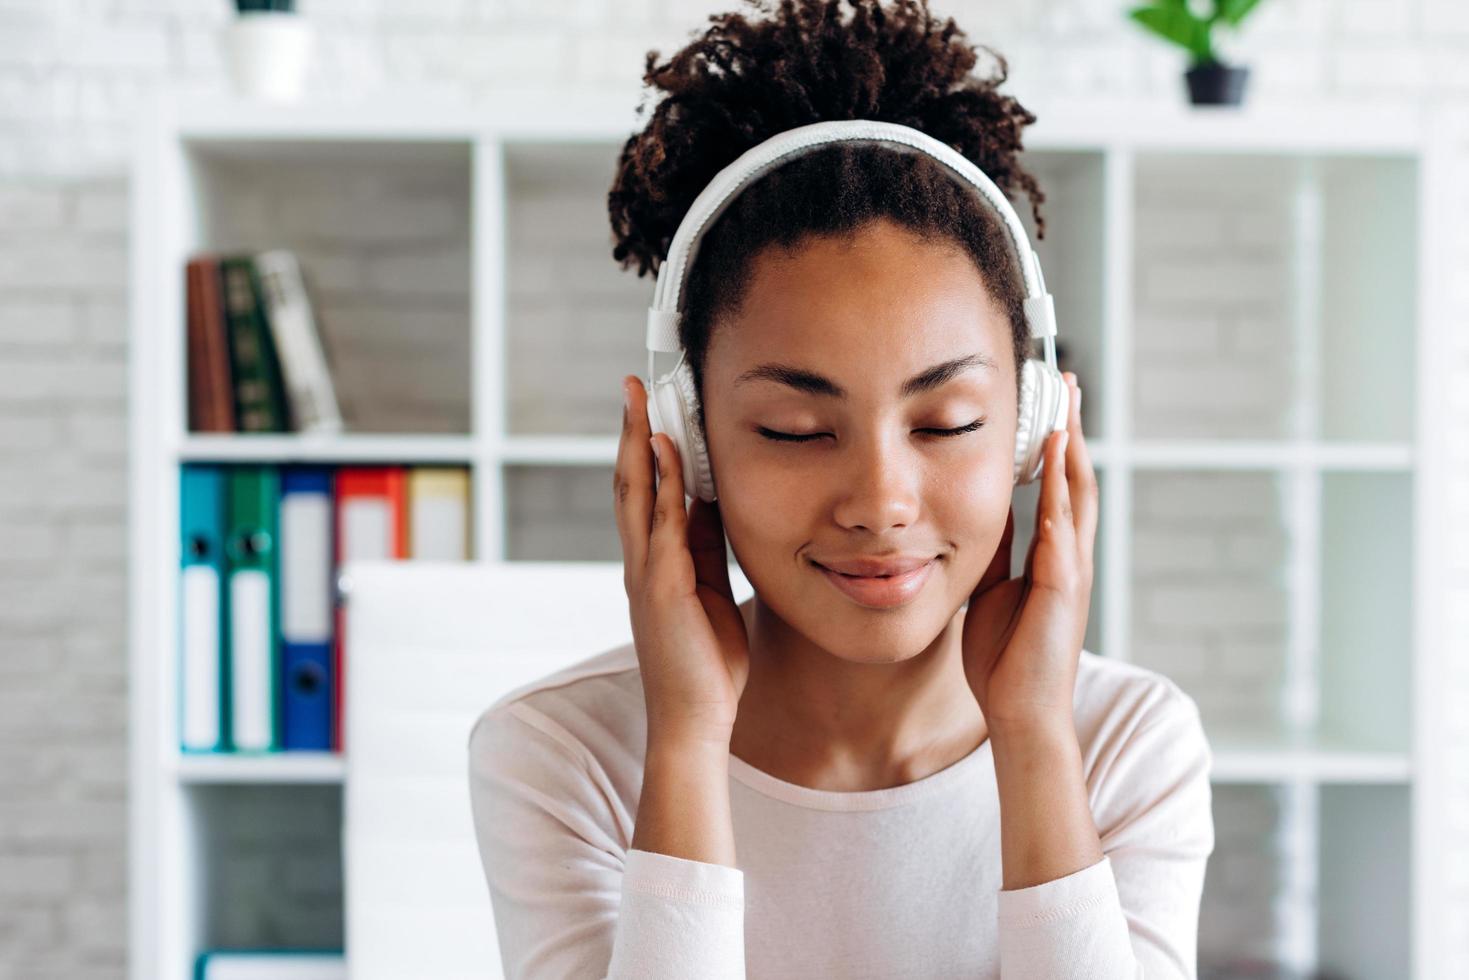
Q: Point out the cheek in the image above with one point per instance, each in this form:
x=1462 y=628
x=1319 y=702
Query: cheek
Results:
x=974 y=487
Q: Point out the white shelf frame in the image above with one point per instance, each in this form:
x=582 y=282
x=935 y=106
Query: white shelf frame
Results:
x=165 y=927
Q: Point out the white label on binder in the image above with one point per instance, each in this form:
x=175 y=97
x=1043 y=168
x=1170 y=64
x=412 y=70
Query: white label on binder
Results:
x=200 y=665
x=367 y=528
x=250 y=655
x=439 y=527
x=305 y=549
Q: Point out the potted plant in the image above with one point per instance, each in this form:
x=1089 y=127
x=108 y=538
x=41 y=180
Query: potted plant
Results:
x=267 y=46
x=1210 y=81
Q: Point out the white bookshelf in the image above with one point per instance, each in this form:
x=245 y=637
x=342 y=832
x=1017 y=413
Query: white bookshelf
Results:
x=1323 y=498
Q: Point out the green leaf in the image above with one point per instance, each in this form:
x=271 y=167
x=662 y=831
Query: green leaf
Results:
x=1176 y=24
x=1234 y=11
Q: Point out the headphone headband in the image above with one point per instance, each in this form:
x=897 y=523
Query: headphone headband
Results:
x=719 y=193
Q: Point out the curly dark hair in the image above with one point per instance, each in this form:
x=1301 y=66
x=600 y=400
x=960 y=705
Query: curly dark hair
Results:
x=743 y=81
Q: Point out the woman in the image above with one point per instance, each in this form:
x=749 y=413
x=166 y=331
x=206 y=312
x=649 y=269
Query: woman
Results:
x=923 y=776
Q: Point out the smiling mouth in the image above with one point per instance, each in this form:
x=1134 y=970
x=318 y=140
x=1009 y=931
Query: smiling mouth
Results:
x=880 y=591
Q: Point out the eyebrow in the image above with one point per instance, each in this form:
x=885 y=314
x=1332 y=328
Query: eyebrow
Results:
x=817 y=384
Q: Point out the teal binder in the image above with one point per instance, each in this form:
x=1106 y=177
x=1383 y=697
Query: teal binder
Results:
x=203 y=646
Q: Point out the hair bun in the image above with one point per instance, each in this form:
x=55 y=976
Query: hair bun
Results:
x=742 y=81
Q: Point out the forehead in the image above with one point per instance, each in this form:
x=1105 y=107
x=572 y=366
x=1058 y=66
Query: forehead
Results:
x=879 y=305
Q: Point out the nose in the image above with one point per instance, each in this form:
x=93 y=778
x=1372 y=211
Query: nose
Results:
x=881 y=482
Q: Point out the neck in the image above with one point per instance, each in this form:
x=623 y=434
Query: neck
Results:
x=810 y=717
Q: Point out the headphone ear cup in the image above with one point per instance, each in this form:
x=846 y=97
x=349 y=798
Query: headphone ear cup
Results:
x=671 y=404
x=1043 y=405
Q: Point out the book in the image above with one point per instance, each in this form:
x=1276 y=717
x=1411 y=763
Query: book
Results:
x=259 y=392
x=310 y=395
x=211 y=399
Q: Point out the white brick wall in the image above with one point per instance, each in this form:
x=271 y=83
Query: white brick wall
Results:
x=71 y=74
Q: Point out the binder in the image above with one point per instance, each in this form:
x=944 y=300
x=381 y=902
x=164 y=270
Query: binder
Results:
x=306 y=607
x=254 y=608
x=438 y=513
x=203 y=643
x=372 y=523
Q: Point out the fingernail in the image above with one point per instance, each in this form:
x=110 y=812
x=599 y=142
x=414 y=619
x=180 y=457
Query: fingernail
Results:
x=657 y=456
x=626 y=395
x=1065 y=438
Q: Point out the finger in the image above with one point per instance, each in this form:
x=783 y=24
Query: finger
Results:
x=1081 y=477
x=999 y=568
x=1055 y=526
x=632 y=478
x=1035 y=539
x=668 y=530
x=706 y=544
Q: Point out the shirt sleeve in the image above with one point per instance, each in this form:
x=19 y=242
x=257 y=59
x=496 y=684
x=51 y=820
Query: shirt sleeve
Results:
x=569 y=898
x=1135 y=913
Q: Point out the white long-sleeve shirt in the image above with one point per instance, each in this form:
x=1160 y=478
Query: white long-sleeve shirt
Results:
x=902 y=882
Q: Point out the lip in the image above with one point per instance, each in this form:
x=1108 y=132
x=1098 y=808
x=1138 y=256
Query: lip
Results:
x=873 y=567
x=881 y=593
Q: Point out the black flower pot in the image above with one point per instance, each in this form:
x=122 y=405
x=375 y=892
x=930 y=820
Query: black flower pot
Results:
x=1214 y=83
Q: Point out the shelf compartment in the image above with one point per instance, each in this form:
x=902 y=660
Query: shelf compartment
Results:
x=1244 y=915
x=382 y=234
x=1214 y=354
x=269 y=866
x=1211 y=600
x=1364 y=919
x=1368 y=298
x=575 y=320
x=1260 y=294
x=560 y=513
x=1366 y=622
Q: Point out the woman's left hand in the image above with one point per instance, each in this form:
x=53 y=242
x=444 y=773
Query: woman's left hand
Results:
x=1022 y=636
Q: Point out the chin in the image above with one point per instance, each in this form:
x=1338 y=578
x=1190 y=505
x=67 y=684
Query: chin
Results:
x=871 y=636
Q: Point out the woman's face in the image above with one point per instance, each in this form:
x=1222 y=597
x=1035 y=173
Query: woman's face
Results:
x=867 y=316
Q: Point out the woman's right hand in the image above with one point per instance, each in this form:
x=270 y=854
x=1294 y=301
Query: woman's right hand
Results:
x=688 y=631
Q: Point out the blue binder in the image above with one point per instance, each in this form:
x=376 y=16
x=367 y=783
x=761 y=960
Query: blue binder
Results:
x=203 y=701
x=306 y=551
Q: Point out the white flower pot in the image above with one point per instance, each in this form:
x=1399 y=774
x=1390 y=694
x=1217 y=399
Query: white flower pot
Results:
x=268 y=52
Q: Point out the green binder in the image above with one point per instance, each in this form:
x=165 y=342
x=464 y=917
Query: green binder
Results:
x=252 y=558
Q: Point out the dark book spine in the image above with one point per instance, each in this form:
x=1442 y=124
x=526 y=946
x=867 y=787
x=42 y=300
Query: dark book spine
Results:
x=259 y=394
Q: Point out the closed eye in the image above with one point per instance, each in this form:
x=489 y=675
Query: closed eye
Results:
x=774 y=436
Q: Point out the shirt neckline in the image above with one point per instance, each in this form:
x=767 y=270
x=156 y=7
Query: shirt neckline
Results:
x=870 y=799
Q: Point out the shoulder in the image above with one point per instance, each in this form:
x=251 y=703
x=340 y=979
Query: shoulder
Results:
x=1144 y=751
x=1120 y=700
x=589 y=713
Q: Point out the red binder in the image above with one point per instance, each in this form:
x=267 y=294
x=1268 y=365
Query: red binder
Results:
x=372 y=523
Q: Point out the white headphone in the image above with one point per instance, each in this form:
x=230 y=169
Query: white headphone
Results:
x=672 y=400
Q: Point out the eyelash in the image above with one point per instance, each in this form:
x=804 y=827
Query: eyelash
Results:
x=774 y=436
